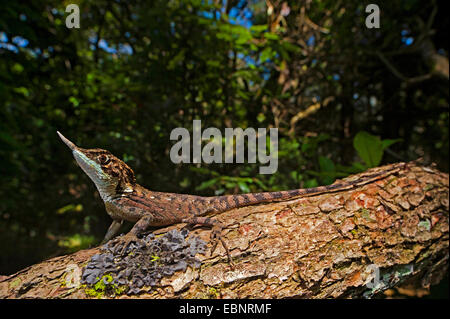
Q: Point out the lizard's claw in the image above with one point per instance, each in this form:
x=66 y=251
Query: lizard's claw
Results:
x=125 y=241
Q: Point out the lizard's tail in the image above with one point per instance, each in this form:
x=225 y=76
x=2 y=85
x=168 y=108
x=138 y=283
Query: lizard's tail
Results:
x=234 y=201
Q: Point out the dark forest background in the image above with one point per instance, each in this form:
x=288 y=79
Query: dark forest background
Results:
x=344 y=98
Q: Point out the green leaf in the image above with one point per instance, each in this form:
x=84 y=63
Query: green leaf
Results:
x=22 y=90
x=74 y=101
x=328 y=170
x=386 y=143
x=70 y=207
x=260 y=184
x=258 y=28
x=326 y=164
x=17 y=68
x=206 y=184
x=369 y=148
x=76 y=242
x=311 y=183
x=271 y=36
x=261 y=117
x=266 y=54
x=220 y=191
x=244 y=187
x=356 y=168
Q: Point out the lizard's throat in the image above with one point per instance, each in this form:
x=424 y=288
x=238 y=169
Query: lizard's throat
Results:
x=106 y=184
x=107 y=190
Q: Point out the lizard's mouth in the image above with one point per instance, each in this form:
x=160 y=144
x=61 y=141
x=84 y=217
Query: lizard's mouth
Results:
x=67 y=142
x=88 y=165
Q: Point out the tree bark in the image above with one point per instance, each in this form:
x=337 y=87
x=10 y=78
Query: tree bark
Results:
x=347 y=244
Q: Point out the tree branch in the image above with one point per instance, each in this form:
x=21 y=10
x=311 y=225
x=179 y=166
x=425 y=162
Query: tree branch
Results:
x=326 y=246
x=412 y=80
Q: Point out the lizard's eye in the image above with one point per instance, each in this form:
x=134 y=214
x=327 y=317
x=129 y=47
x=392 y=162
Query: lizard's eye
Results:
x=104 y=159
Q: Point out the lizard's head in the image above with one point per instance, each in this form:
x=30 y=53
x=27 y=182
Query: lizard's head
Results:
x=110 y=174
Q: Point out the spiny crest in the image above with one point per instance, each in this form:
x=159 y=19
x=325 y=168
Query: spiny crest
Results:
x=112 y=166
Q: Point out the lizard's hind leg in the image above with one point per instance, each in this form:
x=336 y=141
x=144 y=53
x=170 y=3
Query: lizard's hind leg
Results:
x=216 y=233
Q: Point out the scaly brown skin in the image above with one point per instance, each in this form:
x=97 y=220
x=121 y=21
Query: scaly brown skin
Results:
x=126 y=200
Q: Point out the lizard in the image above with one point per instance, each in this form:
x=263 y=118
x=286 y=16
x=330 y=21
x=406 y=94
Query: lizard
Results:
x=125 y=199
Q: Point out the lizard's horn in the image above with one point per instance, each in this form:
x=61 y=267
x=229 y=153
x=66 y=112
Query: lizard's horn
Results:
x=67 y=142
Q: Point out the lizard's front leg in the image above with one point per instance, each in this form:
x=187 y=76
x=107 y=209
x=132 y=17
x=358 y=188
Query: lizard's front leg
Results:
x=138 y=228
x=112 y=230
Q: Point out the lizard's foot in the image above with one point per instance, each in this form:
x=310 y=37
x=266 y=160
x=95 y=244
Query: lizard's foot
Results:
x=125 y=242
x=216 y=233
x=216 y=236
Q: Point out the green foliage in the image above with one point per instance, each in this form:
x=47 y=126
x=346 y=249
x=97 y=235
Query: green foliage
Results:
x=69 y=208
x=328 y=168
x=226 y=183
x=76 y=242
x=370 y=148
